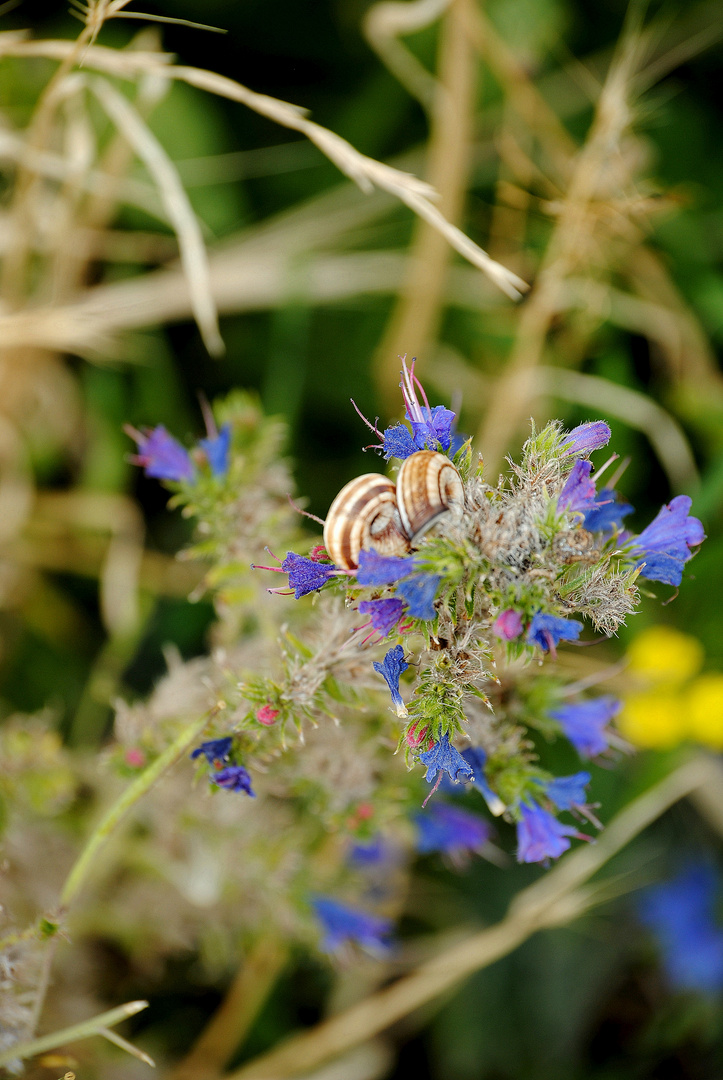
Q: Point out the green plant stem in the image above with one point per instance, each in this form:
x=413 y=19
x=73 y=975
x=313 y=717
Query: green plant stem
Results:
x=72 y=1034
x=132 y=794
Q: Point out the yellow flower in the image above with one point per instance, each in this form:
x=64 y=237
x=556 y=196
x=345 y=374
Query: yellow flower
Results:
x=653 y=718
x=705 y=710
x=661 y=654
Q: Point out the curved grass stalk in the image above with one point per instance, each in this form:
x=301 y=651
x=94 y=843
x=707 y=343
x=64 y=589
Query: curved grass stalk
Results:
x=554 y=900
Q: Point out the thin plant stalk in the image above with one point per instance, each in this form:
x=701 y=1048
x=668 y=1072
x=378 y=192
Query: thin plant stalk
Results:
x=415 y=319
x=133 y=793
x=72 y=1034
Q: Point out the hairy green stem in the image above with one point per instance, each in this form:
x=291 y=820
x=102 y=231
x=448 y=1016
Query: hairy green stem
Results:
x=135 y=791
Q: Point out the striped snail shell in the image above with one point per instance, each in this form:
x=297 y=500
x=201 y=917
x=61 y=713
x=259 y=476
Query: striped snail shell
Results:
x=428 y=485
x=364 y=515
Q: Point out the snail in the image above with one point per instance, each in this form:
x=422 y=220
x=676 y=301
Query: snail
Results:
x=364 y=515
x=428 y=485
x=373 y=512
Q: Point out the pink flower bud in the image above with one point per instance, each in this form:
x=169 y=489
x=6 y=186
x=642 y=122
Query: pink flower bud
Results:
x=508 y=625
x=135 y=757
x=266 y=715
x=416 y=736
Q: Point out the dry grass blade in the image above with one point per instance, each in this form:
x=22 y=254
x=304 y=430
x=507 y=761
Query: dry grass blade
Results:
x=364 y=171
x=385 y=22
x=190 y=240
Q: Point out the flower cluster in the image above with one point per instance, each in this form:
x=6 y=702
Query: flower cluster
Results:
x=502 y=577
x=466 y=583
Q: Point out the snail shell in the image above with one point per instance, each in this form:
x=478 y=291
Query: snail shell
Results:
x=364 y=515
x=428 y=485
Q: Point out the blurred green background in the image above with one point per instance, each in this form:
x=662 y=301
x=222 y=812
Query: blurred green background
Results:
x=571 y=1004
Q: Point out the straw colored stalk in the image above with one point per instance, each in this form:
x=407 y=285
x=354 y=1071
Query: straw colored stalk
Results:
x=415 y=320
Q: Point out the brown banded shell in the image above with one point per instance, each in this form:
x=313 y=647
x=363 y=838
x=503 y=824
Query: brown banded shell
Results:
x=364 y=515
x=428 y=485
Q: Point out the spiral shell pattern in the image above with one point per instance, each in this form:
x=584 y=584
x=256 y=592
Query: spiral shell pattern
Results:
x=364 y=515
x=428 y=485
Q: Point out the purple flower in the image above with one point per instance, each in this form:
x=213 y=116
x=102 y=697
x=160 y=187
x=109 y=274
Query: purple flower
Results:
x=450 y=830
x=540 y=835
x=344 y=924
x=665 y=545
x=160 y=455
x=214 y=750
x=216 y=448
x=681 y=915
x=384 y=614
x=584 y=723
x=578 y=493
x=418 y=593
x=445 y=758
x=375 y=569
x=233 y=778
x=586 y=437
x=306 y=575
x=508 y=625
x=547 y=631
x=606 y=513
x=390 y=669
x=568 y=792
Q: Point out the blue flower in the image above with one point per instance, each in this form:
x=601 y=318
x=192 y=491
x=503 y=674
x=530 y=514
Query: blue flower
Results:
x=214 y=750
x=344 y=924
x=540 y=835
x=607 y=513
x=584 y=723
x=586 y=437
x=665 y=545
x=161 y=456
x=578 y=492
x=445 y=758
x=568 y=792
x=419 y=593
x=233 y=778
x=432 y=428
x=306 y=575
x=547 y=631
x=681 y=915
x=450 y=830
x=398 y=443
x=390 y=669
x=216 y=448
x=371 y=854
x=476 y=758
x=375 y=569
x=384 y=614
